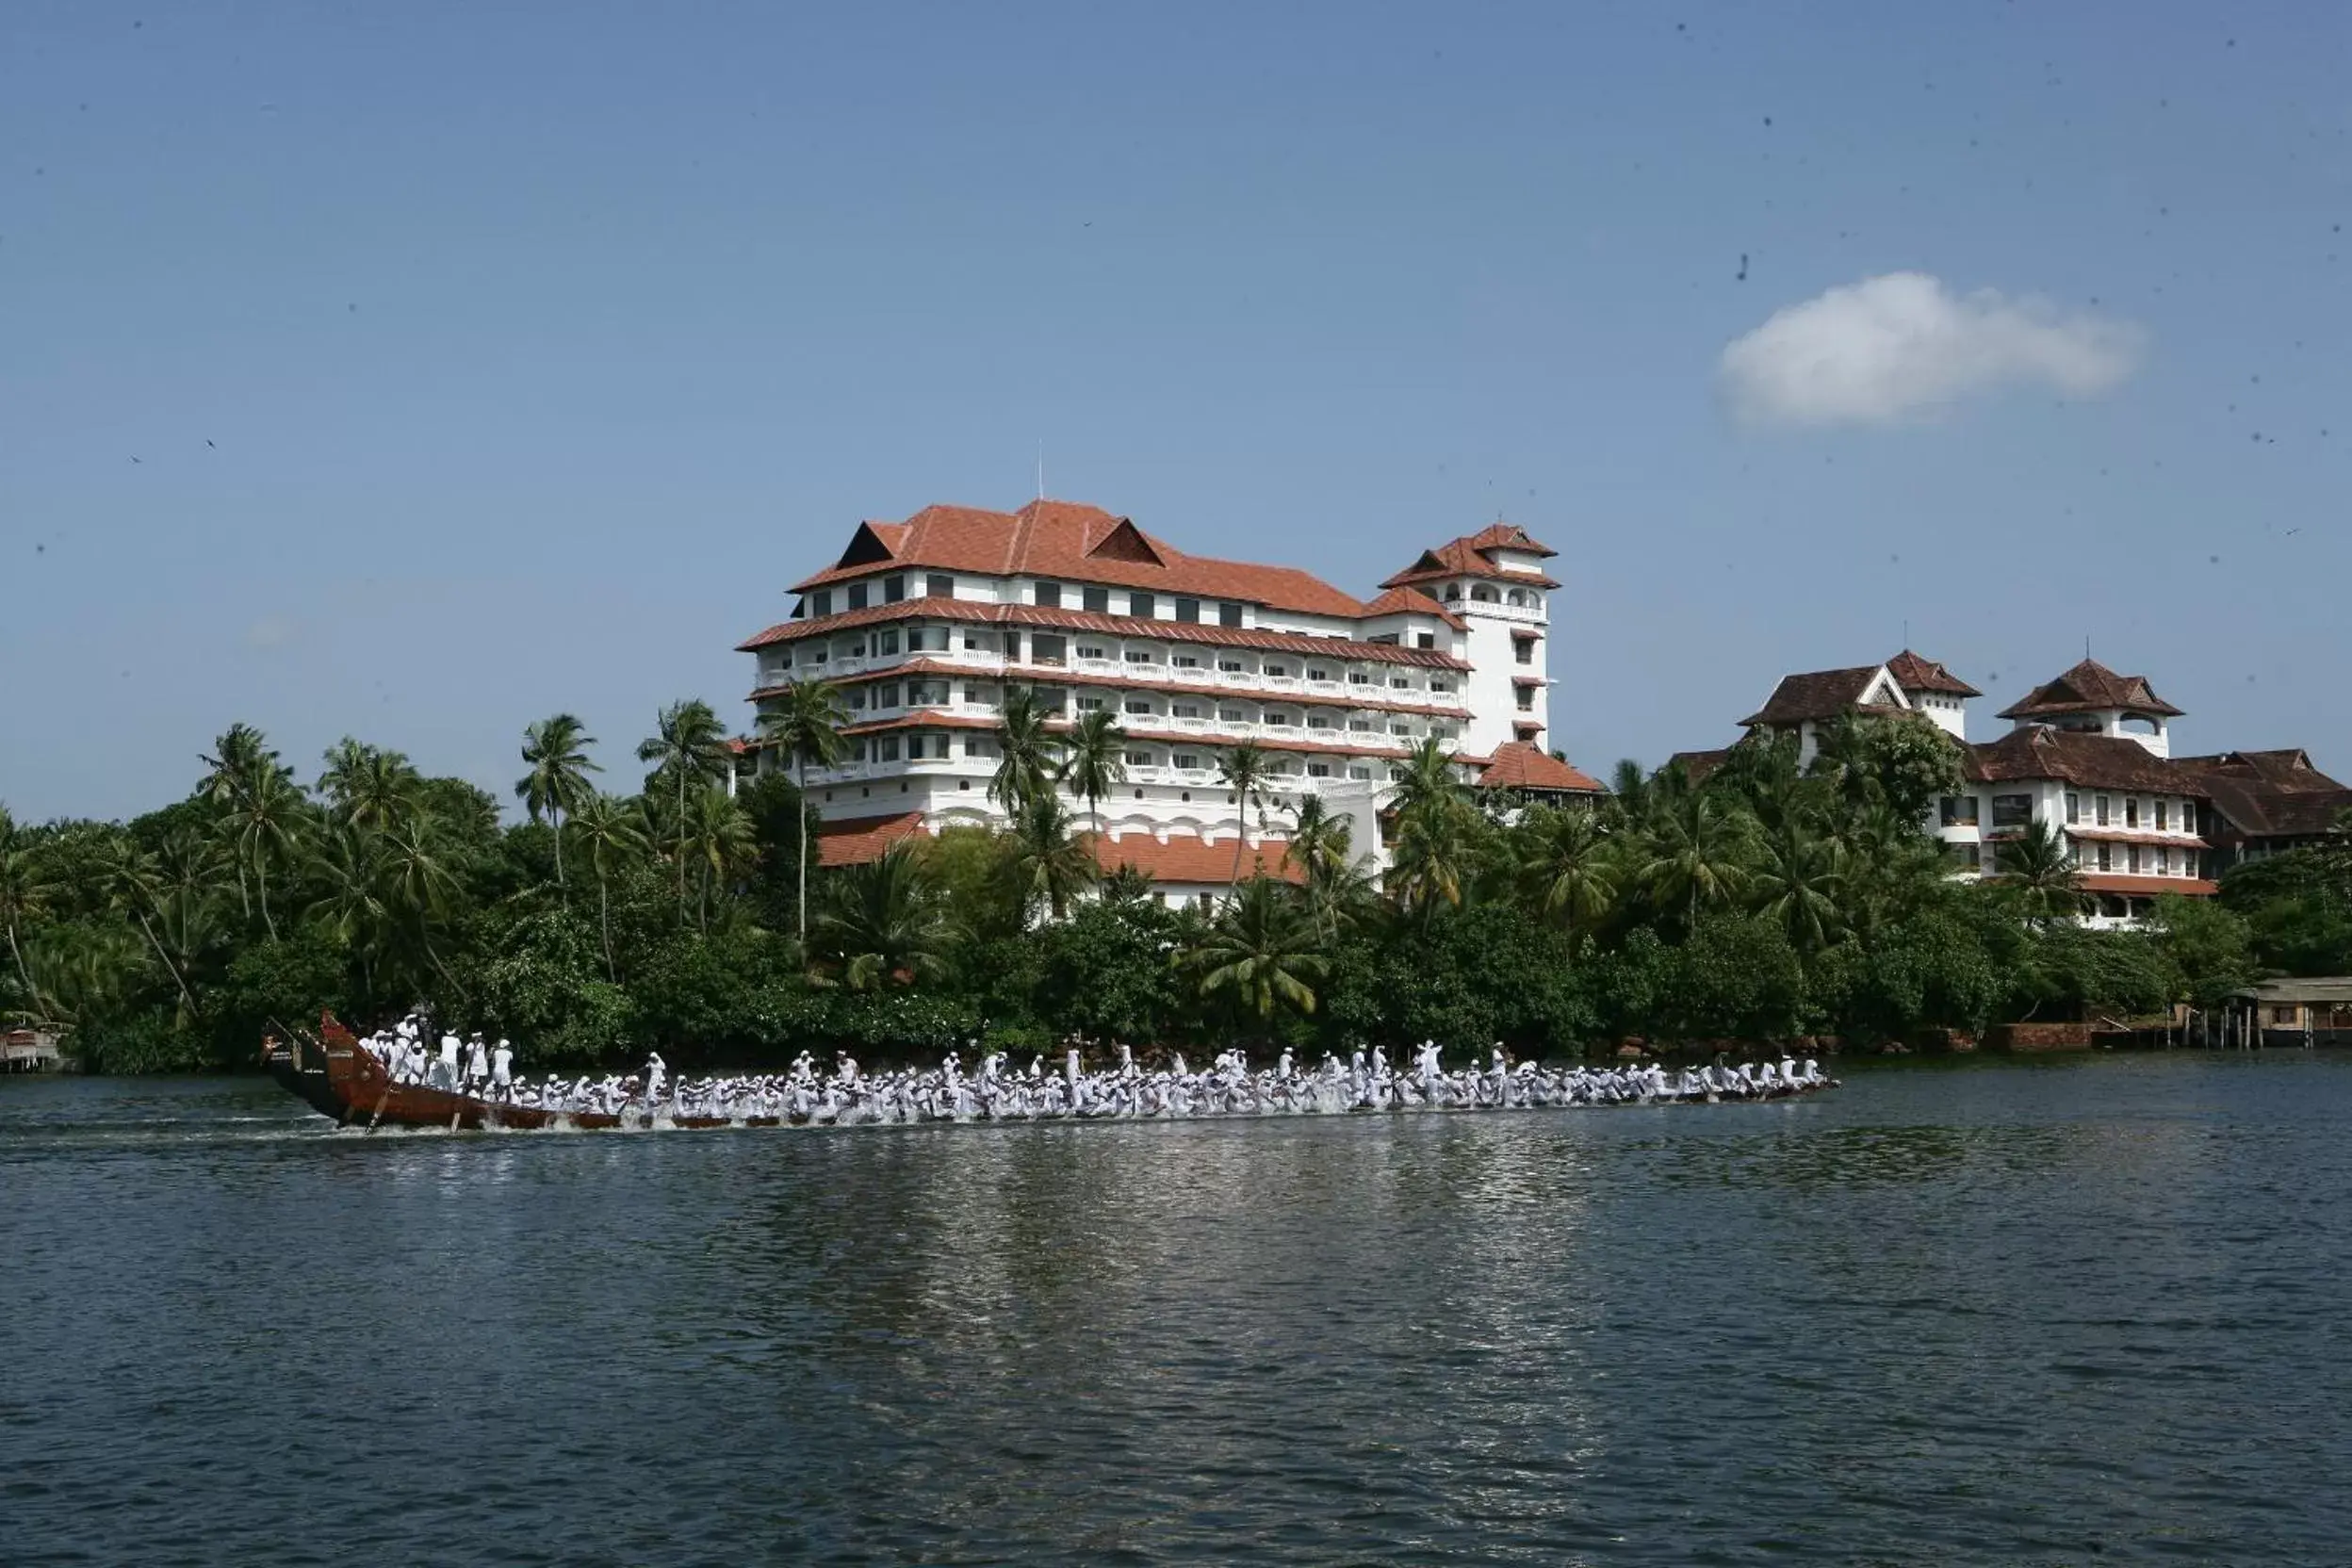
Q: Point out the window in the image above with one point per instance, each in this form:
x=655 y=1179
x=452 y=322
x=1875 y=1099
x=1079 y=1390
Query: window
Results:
x=1527 y=699
x=979 y=642
x=2012 y=811
x=821 y=602
x=1424 y=640
x=2131 y=810
x=2163 y=816
x=2106 y=857
x=1440 y=684
x=1317 y=673
x=1387 y=638
x=1046 y=596
x=1962 y=856
x=1137 y=759
x=982 y=695
x=2131 y=859
x=1045 y=648
x=2074 y=806
x=2283 y=1015
x=1363 y=727
x=1093 y=650
x=1481 y=594
x=1519 y=597
x=938 y=585
x=1139 y=656
x=926 y=693
x=893 y=589
x=1359 y=772
x=1228 y=612
x=812 y=653
x=1186 y=661
x=1233 y=715
x=2164 y=861
x=1089 y=704
x=1359 y=678
x=856 y=648
x=1186 y=711
x=857 y=699
x=886 y=642
x=1096 y=599
x=1318 y=721
x=886 y=750
x=1403 y=730
x=1400 y=683
x=1186 y=759
x=979 y=745
x=1959 y=811
x=1137 y=705
x=1522 y=649
x=1142 y=605
x=1280 y=672
x=1453 y=591
x=1230 y=666
x=2099 y=809
x=1318 y=770
x=857 y=596
x=1279 y=721
x=1188 y=610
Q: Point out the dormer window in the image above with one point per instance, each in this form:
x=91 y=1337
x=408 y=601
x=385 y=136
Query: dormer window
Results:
x=857 y=596
x=1096 y=600
x=1046 y=596
x=821 y=602
x=1188 y=610
x=1228 y=612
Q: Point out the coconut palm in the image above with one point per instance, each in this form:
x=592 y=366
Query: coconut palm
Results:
x=131 y=882
x=1321 y=847
x=611 y=832
x=716 y=836
x=558 y=780
x=1261 y=950
x=806 y=723
x=1051 y=866
x=349 y=904
x=687 y=748
x=1027 y=751
x=1431 y=856
x=1694 y=852
x=1128 y=884
x=240 y=756
x=268 y=824
x=25 y=889
x=1094 y=761
x=883 y=925
x=1571 y=865
x=2036 y=869
x=1799 y=882
x=1247 y=770
x=369 y=787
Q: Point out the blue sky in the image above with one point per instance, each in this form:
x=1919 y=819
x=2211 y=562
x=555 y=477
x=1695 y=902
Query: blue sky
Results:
x=479 y=361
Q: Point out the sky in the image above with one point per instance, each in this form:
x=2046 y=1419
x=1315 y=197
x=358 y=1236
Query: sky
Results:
x=414 y=373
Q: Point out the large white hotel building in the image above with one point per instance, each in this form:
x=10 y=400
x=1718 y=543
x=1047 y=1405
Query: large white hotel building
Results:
x=923 y=625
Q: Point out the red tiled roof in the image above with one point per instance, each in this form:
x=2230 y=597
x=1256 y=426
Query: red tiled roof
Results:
x=1412 y=601
x=2289 y=769
x=1081 y=543
x=1915 y=673
x=1301 y=643
x=2146 y=886
x=1473 y=555
x=2090 y=687
x=853 y=841
x=1188 y=858
x=1817 y=694
x=2099 y=761
x=2135 y=836
x=1517 y=765
x=1180 y=741
x=1697 y=765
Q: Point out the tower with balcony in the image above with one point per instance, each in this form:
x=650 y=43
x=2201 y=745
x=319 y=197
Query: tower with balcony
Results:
x=1494 y=583
x=2092 y=699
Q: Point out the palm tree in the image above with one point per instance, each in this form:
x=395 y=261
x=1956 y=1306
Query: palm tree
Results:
x=1094 y=761
x=716 y=835
x=1051 y=866
x=612 y=831
x=368 y=786
x=25 y=889
x=1799 y=884
x=1431 y=854
x=1026 y=751
x=2037 y=871
x=132 y=883
x=1571 y=865
x=806 y=723
x=1129 y=884
x=1696 y=853
x=1246 y=770
x=240 y=756
x=558 y=779
x=689 y=747
x=349 y=904
x=1263 y=950
x=1319 y=846
x=883 y=922
x=268 y=824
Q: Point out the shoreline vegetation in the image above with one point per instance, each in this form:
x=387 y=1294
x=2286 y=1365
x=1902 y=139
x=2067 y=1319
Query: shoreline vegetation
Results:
x=1768 y=906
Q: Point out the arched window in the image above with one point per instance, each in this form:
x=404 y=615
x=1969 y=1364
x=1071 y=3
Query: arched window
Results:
x=1484 y=594
x=1518 y=596
x=1453 y=590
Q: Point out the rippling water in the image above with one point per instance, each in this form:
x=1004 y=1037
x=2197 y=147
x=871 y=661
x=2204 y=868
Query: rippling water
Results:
x=1986 y=1313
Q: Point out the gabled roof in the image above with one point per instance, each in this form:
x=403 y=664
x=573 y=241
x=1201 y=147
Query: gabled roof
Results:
x=1517 y=765
x=2289 y=769
x=1820 y=694
x=2090 y=687
x=1915 y=673
x=1411 y=601
x=1081 y=543
x=1473 y=555
x=2096 y=762
x=1187 y=858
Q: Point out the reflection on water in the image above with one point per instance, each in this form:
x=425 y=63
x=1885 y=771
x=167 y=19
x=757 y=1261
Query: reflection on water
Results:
x=1997 y=1315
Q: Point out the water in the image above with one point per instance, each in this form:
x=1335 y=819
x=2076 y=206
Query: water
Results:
x=1991 y=1314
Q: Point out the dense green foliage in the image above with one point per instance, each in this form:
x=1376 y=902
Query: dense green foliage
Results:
x=1764 y=903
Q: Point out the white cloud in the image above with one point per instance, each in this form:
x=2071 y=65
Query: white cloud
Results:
x=1901 y=346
